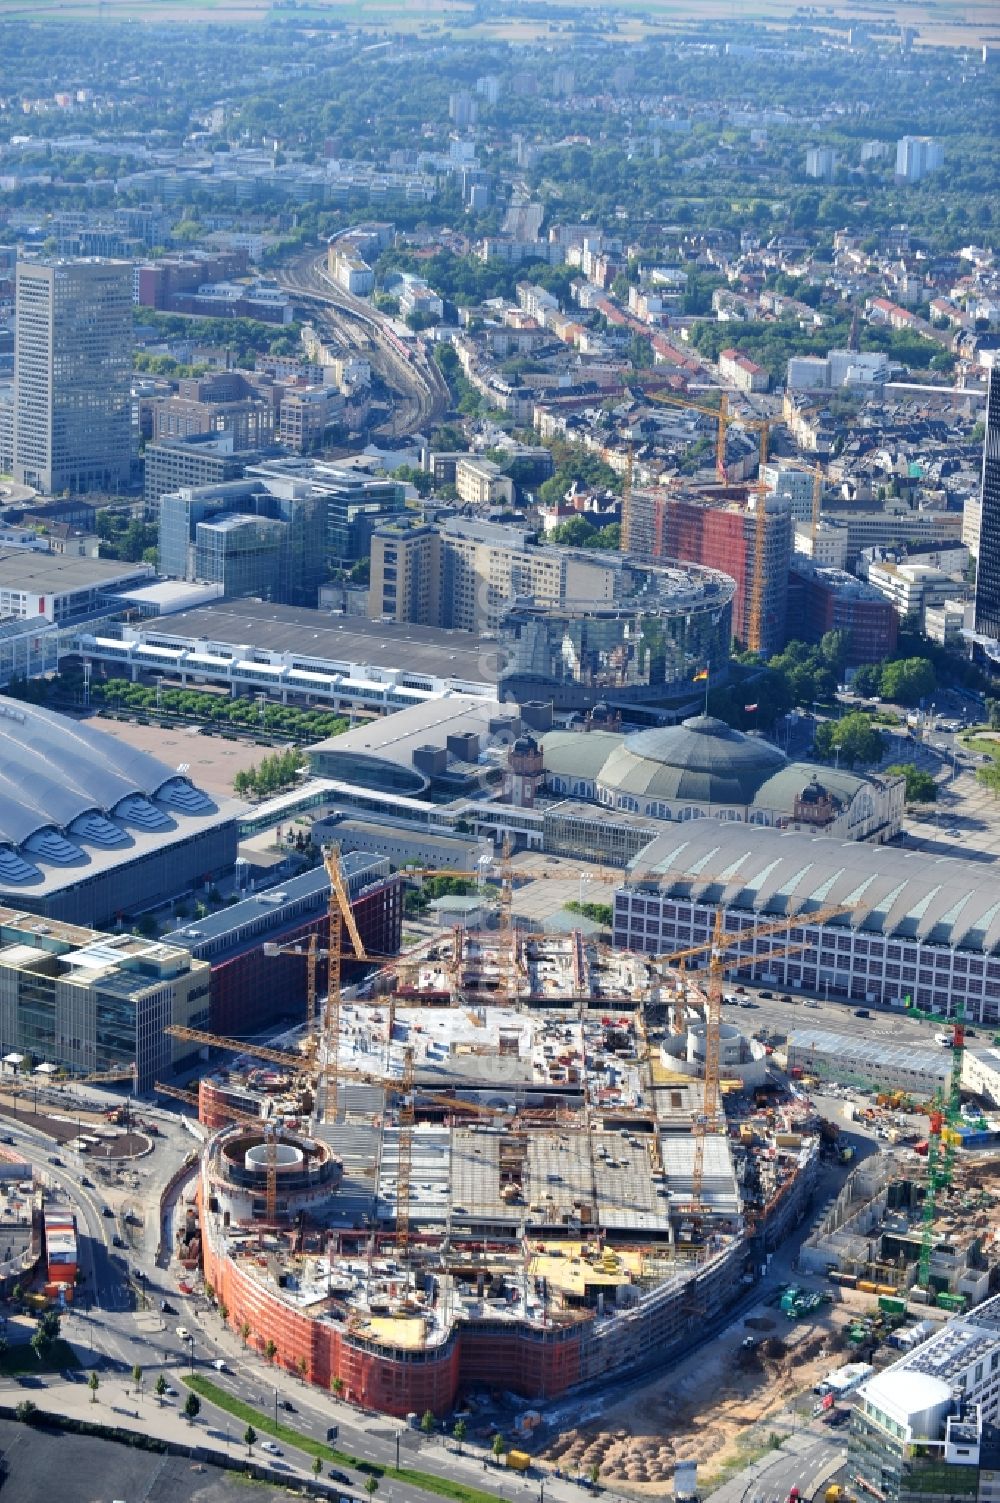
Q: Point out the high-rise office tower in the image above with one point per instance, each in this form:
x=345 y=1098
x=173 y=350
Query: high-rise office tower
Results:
x=72 y=373
x=988 y=572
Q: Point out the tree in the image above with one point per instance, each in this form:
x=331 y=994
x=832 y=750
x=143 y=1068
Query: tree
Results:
x=496 y=1446
x=302 y=1367
x=594 y=1474
x=427 y=1422
x=868 y=679
x=250 y=1438
x=26 y=1411
x=850 y=740
x=460 y=1430
x=223 y=1307
x=38 y=1344
x=337 y=1386
x=920 y=786
x=161 y=1388
x=371 y=1485
x=317 y=1465
x=270 y=1350
x=993 y=713
x=137 y=1377
x=907 y=680
x=192 y=1407
x=245 y=1332
x=989 y=776
x=93 y=1383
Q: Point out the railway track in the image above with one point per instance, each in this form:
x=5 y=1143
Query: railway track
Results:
x=422 y=392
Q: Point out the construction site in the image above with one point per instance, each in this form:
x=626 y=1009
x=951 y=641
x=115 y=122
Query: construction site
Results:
x=504 y=1162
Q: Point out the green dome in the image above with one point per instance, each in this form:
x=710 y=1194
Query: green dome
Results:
x=700 y=761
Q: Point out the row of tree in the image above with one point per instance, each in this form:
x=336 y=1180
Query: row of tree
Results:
x=270 y=776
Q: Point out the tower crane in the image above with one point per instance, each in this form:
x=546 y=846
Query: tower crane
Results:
x=341 y=916
x=405 y=1088
x=721 y=414
x=708 y=1122
x=755 y=614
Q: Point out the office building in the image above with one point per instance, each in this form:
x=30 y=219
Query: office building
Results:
x=794 y=486
x=197 y=460
x=988 y=573
x=916 y=156
x=466 y=574
x=246 y=538
x=924 y=1427
x=223 y=402
x=85 y=1001
x=72 y=373
x=723 y=536
x=829 y=599
x=253 y=989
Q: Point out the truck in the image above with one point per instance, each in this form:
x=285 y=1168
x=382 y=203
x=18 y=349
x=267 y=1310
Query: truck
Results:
x=518 y=1461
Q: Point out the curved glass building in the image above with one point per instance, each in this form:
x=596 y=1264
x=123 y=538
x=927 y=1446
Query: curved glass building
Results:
x=667 y=623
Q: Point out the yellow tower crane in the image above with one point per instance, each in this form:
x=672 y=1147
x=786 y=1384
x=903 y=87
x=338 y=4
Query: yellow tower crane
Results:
x=710 y=1119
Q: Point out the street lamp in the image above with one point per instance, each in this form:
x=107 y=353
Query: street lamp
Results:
x=191 y=1351
x=275 y=1409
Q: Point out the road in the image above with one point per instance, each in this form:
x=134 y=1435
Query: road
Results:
x=352 y=321
x=112 y=1335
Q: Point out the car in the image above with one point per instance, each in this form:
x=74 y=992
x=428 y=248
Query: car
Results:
x=219 y=1365
x=862 y=1012
x=54 y=1159
x=117 y=1241
x=7 y=1138
x=766 y=996
x=271 y=1449
x=88 y=1184
x=167 y=1308
x=339 y=1476
x=785 y=997
x=810 y=1002
x=288 y=1406
x=342 y=1499
x=107 y=1211
x=169 y=1392
x=183 y=1334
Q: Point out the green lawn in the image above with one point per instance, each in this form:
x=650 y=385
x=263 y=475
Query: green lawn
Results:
x=21 y=1359
x=982 y=746
x=264 y=1424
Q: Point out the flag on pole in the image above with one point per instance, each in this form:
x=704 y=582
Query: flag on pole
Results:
x=701 y=676
x=750 y=709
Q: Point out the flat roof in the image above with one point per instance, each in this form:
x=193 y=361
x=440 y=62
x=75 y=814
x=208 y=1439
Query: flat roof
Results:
x=273 y=901
x=394 y=738
x=52 y=573
x=321 y=634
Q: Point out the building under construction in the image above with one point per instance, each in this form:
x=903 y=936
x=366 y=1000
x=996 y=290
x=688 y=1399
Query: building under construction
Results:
x=498 y=1168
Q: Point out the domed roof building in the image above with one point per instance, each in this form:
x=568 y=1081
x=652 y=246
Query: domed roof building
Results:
x=704 y=768
x=702 y=760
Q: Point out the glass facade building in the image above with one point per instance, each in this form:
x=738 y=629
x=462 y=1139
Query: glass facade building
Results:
x=666 y=625
x=988 y=575
x=73 y=368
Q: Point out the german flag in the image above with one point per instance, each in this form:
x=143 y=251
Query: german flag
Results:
x=701 y=676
